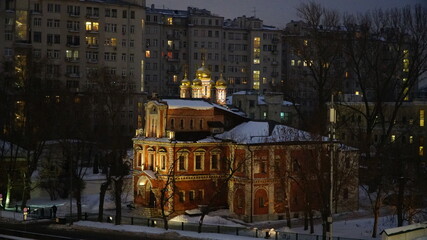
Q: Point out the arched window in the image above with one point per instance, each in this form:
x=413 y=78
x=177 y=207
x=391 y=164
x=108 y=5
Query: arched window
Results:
x=199 y=159
x=162 y=159
x=151 y=157
x=182 y=161
x=215 y=159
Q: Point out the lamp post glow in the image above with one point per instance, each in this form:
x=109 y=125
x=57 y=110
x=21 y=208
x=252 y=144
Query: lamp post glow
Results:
x=332 y=122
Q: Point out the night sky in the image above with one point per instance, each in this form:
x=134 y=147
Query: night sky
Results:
x=277 y=12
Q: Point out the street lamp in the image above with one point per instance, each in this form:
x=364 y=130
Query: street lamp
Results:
x=332 y=122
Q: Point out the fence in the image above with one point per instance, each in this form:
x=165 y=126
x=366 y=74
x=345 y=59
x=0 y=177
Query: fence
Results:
x=185 y=226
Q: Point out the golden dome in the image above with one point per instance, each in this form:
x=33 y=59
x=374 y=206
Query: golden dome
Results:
x=197 y=82
x=185 y=81
x=221 y=82
x=203 y=72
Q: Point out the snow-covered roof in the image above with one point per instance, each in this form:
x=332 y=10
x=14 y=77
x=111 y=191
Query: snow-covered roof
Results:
x=229 y=100
x=187 y=103
x=7 y=148
x=197 y=105
x=261 y=100
x=256 y=132
x=404 y=229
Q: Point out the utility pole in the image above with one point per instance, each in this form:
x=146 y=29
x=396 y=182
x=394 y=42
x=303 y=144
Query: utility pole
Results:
x=332 y=122
x=71 y=191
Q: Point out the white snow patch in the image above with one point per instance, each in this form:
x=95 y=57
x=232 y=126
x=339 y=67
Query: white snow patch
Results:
x=186 y=103
x=258 y=132
x=153 y=230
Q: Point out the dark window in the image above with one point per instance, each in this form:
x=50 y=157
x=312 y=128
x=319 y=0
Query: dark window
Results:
x=37 y=37
x=198 y=162
x=214 y=161
x=181 y=162
x=181 y=196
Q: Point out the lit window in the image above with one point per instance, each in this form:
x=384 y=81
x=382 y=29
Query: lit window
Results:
x=181 y=195
x=256 y=74
x=405 y=93
x=393 y=138
x=170 y=21
x=147 y=54
x=411 y=139
x=421 y=118
x=292 y=62
x=257 y=50
x=421 y=151
x=198 y=160
x=92 y=26
x=162 y=161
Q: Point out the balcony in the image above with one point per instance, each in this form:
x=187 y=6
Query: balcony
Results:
x=35 y=12
x=91 y=60
x=274 y=63
x=72 y=30
x=71 y=59
x=73 y=45
x=172 y=36
x=73 y=75
x=92 y=16
x=92 y=31
x=93 y=46
x=74 y=14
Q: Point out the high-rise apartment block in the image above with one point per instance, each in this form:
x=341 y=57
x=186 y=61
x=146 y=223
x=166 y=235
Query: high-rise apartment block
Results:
x=75 y=38
x=69 y=44
x=244 y=50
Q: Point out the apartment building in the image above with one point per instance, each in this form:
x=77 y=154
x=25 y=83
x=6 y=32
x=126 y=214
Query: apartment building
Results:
x=243 y=50
x=68 y=44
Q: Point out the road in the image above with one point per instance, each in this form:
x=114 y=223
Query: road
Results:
x=47 y=230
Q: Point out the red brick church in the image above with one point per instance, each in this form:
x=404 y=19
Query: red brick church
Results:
x=190 y=147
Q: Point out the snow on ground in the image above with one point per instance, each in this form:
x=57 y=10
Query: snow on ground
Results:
x=356 y=228
x=208 y=220
x=133 y=228
x=351 y=225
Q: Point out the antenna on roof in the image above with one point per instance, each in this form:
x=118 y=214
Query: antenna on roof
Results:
x=254 y=11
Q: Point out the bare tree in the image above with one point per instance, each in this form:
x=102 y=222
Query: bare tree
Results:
x=387 y=53
x=108 y=94
x=168 y=189
x=316 y=51
x=231 y=167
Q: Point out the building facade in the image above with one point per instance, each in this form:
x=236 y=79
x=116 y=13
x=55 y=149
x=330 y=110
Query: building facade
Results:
x=69 y=45
x=268 y=106
x=243 y=50
x=202 y=154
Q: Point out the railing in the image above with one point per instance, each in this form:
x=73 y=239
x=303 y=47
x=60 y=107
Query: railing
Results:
x=46 y=213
